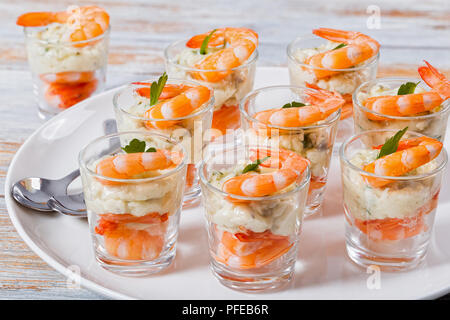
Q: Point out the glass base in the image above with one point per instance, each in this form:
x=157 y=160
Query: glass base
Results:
x=192 y=198
x=45 y=115
x=366 y=258
x=313 y=210
x=252 y=283
x=135 y=268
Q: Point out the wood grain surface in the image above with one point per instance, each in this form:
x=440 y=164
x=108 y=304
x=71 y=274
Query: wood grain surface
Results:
x=409 y=31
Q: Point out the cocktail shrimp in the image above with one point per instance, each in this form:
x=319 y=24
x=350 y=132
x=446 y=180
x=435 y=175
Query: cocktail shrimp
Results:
x=323 y=104
x=247 y=249
x=169 y=90
x=181 y=105
x=411 y=154
x=290 y=167
x=411 y=104
x=241 y=43
x=359 y=48
x=131 y=165
x=133 y=238
x=86 y=22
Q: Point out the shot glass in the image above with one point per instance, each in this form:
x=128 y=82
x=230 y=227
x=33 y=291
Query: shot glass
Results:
x=388 y=226
x=314 y=142
x=227 y=91
x=191 y=131
x=433 y=124
x=252 y=240
x=343 y=81
x=133 y=222
x=64 y=73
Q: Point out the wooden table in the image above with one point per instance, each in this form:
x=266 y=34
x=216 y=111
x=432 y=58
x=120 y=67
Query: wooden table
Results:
x=409 y=32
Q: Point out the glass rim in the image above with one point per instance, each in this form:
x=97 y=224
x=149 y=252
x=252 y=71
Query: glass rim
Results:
x=355 y=137
x=329 y=121
x=179 y=167
x=289 y=51
x=305 y=180
x=371 y=83
x=209 y=104
x=252 y=59
x=66 y=43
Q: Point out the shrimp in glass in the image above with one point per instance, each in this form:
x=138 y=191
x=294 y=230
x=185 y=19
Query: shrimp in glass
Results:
x=390 y=196
x=254 y=212
x=67 y=53
x=133 y=196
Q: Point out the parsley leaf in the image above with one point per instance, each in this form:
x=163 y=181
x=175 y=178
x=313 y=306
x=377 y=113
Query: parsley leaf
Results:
x=136 y=146
x=293 y=104
x=407 y=88
x=340 y=46
x=254 y=165
x=205 y=42
x=156 y=88
x=391 y=145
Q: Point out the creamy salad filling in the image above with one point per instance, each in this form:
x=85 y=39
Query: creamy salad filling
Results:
x=343 y=82
x=49 y=52
x=138 y=199
x=278 y=215
x=397 y=200
x=229 y=91
x=312 y=145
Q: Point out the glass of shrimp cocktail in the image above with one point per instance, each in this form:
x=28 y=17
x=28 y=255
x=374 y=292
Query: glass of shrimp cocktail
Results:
x=395 y=103
x=298 y=119
x=133 y=197
x=334 y=60
x=254 y=200
x=67 y=53
x=179 y=109
x=223 y=59
x=390 y=196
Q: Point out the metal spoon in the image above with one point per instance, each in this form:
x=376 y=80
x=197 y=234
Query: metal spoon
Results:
x=72 y=205
x=34 y=193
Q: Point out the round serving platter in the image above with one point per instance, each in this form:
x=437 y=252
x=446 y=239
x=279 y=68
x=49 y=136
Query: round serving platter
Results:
x=323 y=270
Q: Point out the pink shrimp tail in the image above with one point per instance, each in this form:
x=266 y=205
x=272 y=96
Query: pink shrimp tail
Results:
x=335 y=35
x=328 y=101
x=435 y=79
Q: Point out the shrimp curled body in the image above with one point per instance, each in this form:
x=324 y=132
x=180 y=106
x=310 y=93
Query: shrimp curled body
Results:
x=324 y=103
x=290 y=167
x=411 y=154
x=242 y=42
x=86 y=22
x=359 y=48
x=130 y=165
x=411 y=104
x=179 y=105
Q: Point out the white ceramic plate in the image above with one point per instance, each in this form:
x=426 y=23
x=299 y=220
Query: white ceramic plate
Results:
x=323 y=270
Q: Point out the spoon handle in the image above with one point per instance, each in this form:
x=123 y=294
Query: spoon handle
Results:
x=70 y=177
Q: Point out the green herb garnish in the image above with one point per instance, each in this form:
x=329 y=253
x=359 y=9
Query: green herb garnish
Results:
x=293 y=104
x=340 y=46
x=205 y=42
x=254 y=165
x=407 y=88
x=156 y=88
x=391 y=145
x=136 y=146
